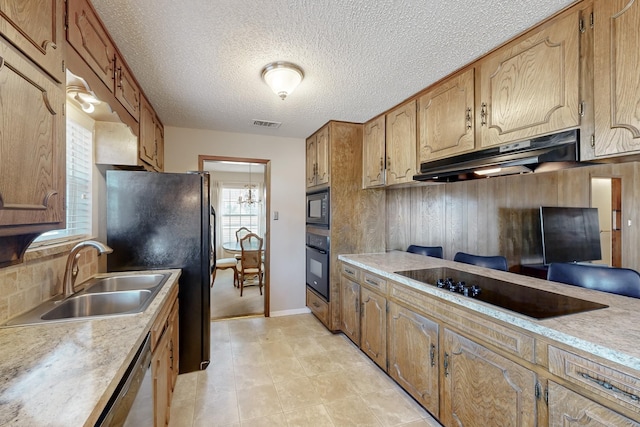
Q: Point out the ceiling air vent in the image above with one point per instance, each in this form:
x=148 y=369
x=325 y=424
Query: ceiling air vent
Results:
x=266 y=124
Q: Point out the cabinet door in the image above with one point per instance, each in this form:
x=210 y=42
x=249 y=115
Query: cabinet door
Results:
x=311 y=161
x=32 y=147
x=147 y=141
x=373 y=326
x=373 y=154
x=322 y=156
x=350 y=309
x=159 y=138
x=36 y=27
x=482 y=388
x=445 y=118
x=87 y=36
x=413 y=355
x=126 y=89
x=160 y=365
x=174 y=345
x=401 y=144
x=567 y=408
x=617 y=88
x=532 y=87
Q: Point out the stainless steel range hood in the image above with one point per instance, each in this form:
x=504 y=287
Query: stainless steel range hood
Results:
x=518 y=157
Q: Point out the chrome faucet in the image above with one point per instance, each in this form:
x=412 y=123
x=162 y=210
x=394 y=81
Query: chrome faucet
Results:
x=71 y=270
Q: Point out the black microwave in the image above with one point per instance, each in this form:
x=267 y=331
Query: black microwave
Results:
x=318 y=207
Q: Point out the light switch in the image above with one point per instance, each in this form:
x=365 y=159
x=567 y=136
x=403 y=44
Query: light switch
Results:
x=275 y=215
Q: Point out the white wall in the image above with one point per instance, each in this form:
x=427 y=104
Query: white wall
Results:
x=287 y=156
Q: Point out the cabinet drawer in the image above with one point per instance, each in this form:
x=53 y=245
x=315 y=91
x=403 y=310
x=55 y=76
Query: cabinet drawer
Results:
x=609 y=383
x=318 y=306
x=351 y=272
x=374 y=282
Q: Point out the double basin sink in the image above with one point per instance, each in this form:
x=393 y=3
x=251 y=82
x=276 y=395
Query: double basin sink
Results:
x=101 y=296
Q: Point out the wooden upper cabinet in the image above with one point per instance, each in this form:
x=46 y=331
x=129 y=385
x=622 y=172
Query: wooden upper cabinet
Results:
x=322 y=155
x=401 y=143
x=482 y=388
x=126 y=89
x=446 y=118
x=36 y=27
x=373 y=153
x=32 y=147
x=616 y=76
x=531 y=87
x=413 y=355
x=151 y=139
x=88 y=37
x=317 y=158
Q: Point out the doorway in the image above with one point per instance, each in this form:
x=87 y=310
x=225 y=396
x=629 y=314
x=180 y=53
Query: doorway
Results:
x=240 y=198
x=606 y=195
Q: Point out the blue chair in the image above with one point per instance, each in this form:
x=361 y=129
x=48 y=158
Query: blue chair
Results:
x=434 y=251
x=497 y=262
x=622 y=281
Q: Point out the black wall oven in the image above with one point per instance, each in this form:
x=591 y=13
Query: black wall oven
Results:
x=318 y=262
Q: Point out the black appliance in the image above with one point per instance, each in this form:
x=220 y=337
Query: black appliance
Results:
x=570 y=234
x=560 y=149
x=161 y=221
x=531 y=302
x=318 y=263
x=318 y=207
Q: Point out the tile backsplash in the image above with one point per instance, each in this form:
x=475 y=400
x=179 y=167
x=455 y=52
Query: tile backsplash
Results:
x=39 y=278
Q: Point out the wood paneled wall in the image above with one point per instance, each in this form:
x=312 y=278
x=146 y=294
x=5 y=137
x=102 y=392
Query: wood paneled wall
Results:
x=499 y=216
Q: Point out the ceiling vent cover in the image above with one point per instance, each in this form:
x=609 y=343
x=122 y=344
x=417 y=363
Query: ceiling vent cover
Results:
x=266 y=124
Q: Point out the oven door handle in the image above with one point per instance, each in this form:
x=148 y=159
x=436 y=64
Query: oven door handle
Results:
x=323 y=252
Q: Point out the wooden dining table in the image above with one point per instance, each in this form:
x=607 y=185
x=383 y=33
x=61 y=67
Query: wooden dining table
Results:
x=234 y=246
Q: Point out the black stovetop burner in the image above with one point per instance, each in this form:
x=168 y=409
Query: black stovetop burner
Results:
x=531 y=302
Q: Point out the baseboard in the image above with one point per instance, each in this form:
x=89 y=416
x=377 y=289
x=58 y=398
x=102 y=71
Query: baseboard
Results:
x=303 y=310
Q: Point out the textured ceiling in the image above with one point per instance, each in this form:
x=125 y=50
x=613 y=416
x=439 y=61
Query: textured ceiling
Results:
x=199 y=61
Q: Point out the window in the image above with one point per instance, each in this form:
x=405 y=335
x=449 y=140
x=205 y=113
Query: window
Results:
x=79 y=169
x=236 y=215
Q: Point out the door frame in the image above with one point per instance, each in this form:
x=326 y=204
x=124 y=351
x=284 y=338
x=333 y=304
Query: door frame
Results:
x=267 y=236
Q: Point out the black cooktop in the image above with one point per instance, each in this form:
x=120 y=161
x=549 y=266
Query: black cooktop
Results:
x=531 y=302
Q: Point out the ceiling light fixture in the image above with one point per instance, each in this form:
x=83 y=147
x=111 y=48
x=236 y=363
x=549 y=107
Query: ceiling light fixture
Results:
x=282 y=77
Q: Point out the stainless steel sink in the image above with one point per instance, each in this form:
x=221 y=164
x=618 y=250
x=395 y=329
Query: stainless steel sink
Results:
x=109 y=295
x=124 y=283
x=99 y=304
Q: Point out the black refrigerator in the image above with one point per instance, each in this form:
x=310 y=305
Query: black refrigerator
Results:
x=165 y=220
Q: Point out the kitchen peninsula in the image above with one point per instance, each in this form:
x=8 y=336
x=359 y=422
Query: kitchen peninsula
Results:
x=477 y=363
x=64 y=373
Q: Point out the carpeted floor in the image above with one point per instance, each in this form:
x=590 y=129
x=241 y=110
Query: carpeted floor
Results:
x=226 y=301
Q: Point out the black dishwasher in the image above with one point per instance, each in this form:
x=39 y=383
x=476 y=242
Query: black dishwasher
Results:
x=132 y=402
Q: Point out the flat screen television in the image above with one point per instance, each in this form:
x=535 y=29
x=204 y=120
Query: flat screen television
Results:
x=570 y=234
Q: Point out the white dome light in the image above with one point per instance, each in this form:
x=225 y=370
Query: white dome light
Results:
x=282 y=77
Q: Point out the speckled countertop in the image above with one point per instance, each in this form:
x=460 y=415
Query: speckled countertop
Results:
x=611 y=333
x=62 y=374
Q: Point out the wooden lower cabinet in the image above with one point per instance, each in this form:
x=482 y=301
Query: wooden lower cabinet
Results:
x=373 y=326
x=350 y=309
x=413 y=355
x=567 y=408
x=482 y=388
x=164 y=359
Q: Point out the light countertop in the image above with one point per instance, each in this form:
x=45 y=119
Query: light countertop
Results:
x=63 y=374
x=611 y=333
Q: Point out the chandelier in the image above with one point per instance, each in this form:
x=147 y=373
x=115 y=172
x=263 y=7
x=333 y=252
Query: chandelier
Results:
x=250 y=194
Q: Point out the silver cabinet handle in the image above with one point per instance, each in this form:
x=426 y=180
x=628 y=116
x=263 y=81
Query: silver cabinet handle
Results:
x=609 y=386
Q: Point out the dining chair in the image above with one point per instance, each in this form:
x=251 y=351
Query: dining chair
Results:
x=621 y=281
x=240 y=233
x=433 y=251
x=496 y=262
x=223 y=264
x=251 y=259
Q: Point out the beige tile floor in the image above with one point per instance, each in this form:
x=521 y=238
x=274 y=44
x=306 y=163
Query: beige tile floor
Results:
x=289 y=371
